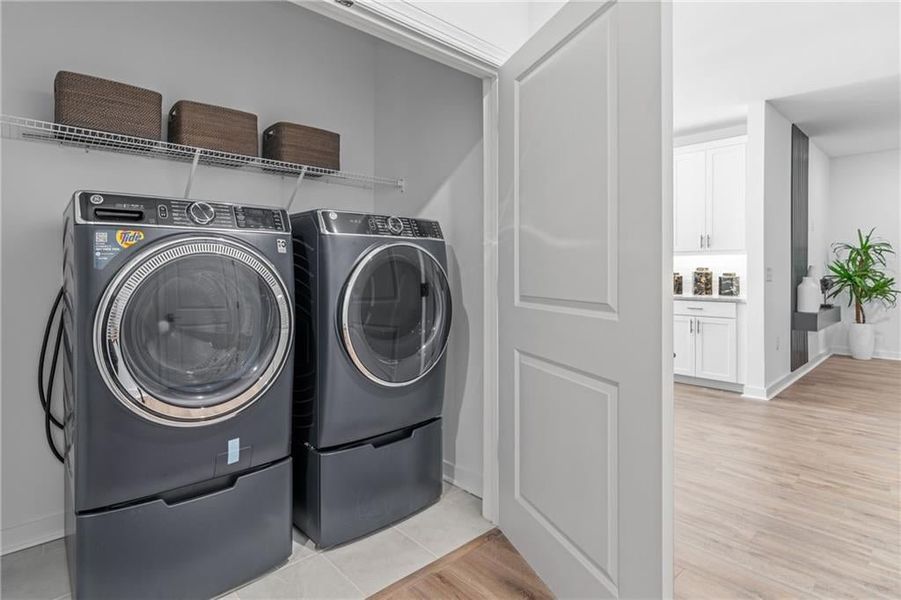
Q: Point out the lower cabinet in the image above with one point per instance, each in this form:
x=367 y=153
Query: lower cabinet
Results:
x=684 y=345
x=715 y=344
x=705 y=346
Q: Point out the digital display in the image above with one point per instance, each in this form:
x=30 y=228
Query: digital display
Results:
x=358 y=223
x=257 y=218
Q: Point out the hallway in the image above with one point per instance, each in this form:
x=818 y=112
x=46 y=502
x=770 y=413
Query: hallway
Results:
x=798 y=496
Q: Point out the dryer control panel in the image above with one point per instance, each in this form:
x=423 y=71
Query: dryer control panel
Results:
x=101 y=207
x=340 y=222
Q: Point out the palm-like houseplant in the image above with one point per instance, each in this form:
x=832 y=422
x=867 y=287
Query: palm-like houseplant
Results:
x=861 y=271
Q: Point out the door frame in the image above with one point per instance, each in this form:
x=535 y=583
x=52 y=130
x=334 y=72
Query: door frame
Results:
x=447 y=47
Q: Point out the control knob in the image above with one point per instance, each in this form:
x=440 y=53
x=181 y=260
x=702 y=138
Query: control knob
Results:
x=395 y=225
x=201 y=213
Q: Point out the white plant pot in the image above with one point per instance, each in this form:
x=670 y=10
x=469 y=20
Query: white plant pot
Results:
x=862 y=340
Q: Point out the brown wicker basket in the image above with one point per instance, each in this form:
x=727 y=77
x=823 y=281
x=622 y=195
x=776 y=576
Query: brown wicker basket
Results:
x=213 y=127
x=290 y=142
x=95 y=103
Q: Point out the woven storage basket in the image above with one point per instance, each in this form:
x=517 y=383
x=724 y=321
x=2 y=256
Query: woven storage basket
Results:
x=95 y=103
x=213 y=127
x=290 y=142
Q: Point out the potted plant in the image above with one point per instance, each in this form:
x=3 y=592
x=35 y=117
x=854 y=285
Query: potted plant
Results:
x=860 y=270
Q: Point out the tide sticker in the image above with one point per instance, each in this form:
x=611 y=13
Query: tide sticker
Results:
x=129 y=237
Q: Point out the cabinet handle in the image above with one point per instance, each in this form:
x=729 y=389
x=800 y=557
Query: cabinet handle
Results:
x=701 y=242
x=708 y=240
x=698 y=326
x=694 y=308
x=691 y=326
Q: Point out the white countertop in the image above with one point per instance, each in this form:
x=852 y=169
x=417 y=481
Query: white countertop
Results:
x=689 y=298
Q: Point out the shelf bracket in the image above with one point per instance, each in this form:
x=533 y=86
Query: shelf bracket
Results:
x=402 y=184
x=191 y=175
x=303 y=172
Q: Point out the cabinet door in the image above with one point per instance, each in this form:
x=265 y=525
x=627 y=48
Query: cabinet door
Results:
x=683 y=346
x=715 y=349
x=689 y=200
x=726 y=198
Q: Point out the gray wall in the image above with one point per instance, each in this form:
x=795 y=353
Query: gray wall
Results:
x=429 y=126
x=274 y=59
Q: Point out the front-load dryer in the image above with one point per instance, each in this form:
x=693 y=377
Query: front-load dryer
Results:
x=373 y=321
x=177 y=387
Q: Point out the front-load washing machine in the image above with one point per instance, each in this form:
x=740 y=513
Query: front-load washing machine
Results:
x=177 y=395
x=373 y=319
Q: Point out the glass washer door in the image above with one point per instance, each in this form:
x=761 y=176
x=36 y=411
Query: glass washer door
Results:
x=395 y=314
x=193 y=331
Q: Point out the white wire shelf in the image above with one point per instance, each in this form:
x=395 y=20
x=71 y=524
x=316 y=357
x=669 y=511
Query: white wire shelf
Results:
x=44 y=131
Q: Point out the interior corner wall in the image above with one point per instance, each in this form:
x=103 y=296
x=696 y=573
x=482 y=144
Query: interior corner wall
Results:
x=755 y=366
x=768 y=222
x=817 y=232
x=864 y=192
x=777 y=246
x=428 y=128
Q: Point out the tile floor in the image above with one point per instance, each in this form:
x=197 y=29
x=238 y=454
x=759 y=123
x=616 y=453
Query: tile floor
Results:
x=355 y=570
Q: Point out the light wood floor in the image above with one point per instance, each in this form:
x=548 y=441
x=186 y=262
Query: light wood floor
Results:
x=796 y=497
x=487 y=567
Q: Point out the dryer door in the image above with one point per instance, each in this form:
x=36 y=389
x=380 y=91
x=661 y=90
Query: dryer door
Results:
x=192 y=331
x=395 y=314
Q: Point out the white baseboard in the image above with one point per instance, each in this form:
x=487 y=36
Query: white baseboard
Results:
x=774 y=389
x=467 y=479
x=754 y=393
x=32 y=533
x=884 y=354
x=709 y=383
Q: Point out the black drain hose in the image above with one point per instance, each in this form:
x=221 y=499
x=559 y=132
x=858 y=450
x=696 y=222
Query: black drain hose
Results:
x=45 y=394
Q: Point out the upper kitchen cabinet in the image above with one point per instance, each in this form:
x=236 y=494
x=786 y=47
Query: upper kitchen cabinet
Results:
x=709 y=196
x=690 y=200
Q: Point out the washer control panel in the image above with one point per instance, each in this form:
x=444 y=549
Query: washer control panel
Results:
x=340 y=222
x=99 y=207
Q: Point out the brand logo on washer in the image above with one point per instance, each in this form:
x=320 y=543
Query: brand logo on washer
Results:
x=282 y=246
x=129 y=237
x=96 y=199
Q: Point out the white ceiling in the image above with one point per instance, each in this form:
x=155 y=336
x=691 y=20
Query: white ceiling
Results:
x=832 y=67
x=851 y=119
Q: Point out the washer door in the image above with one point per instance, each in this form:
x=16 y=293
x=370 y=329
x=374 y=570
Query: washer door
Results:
x=395 y=314
x=193 y=331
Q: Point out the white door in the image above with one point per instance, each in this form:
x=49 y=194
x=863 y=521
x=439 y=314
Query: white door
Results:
x=715 y=348
x=684 y=345
x=689 y=200
x=581 y=360
x=726 y=198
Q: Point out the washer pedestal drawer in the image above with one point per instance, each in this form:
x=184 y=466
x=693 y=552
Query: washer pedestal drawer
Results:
x=199 y=547
x=344 y=493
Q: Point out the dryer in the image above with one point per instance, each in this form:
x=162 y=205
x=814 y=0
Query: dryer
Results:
x=177 y=393
x=373 y=321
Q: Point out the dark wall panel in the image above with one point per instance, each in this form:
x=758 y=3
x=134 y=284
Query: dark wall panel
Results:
x=800 y=158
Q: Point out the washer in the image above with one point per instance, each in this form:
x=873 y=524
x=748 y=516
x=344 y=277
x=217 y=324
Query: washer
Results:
x=177 y=386
x=373 y=322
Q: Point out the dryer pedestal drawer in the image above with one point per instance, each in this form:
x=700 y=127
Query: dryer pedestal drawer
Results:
x=199 y=547
x=345 y=493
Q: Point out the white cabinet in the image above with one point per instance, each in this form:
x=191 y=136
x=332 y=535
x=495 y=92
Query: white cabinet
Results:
x=709 y=196
x=725 y=198
x=715 y=344
x=705 y=340
x=690 y=200
x=683 y=345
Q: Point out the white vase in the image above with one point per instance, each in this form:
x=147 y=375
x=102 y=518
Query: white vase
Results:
x=808 y=295
x=861 y=339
